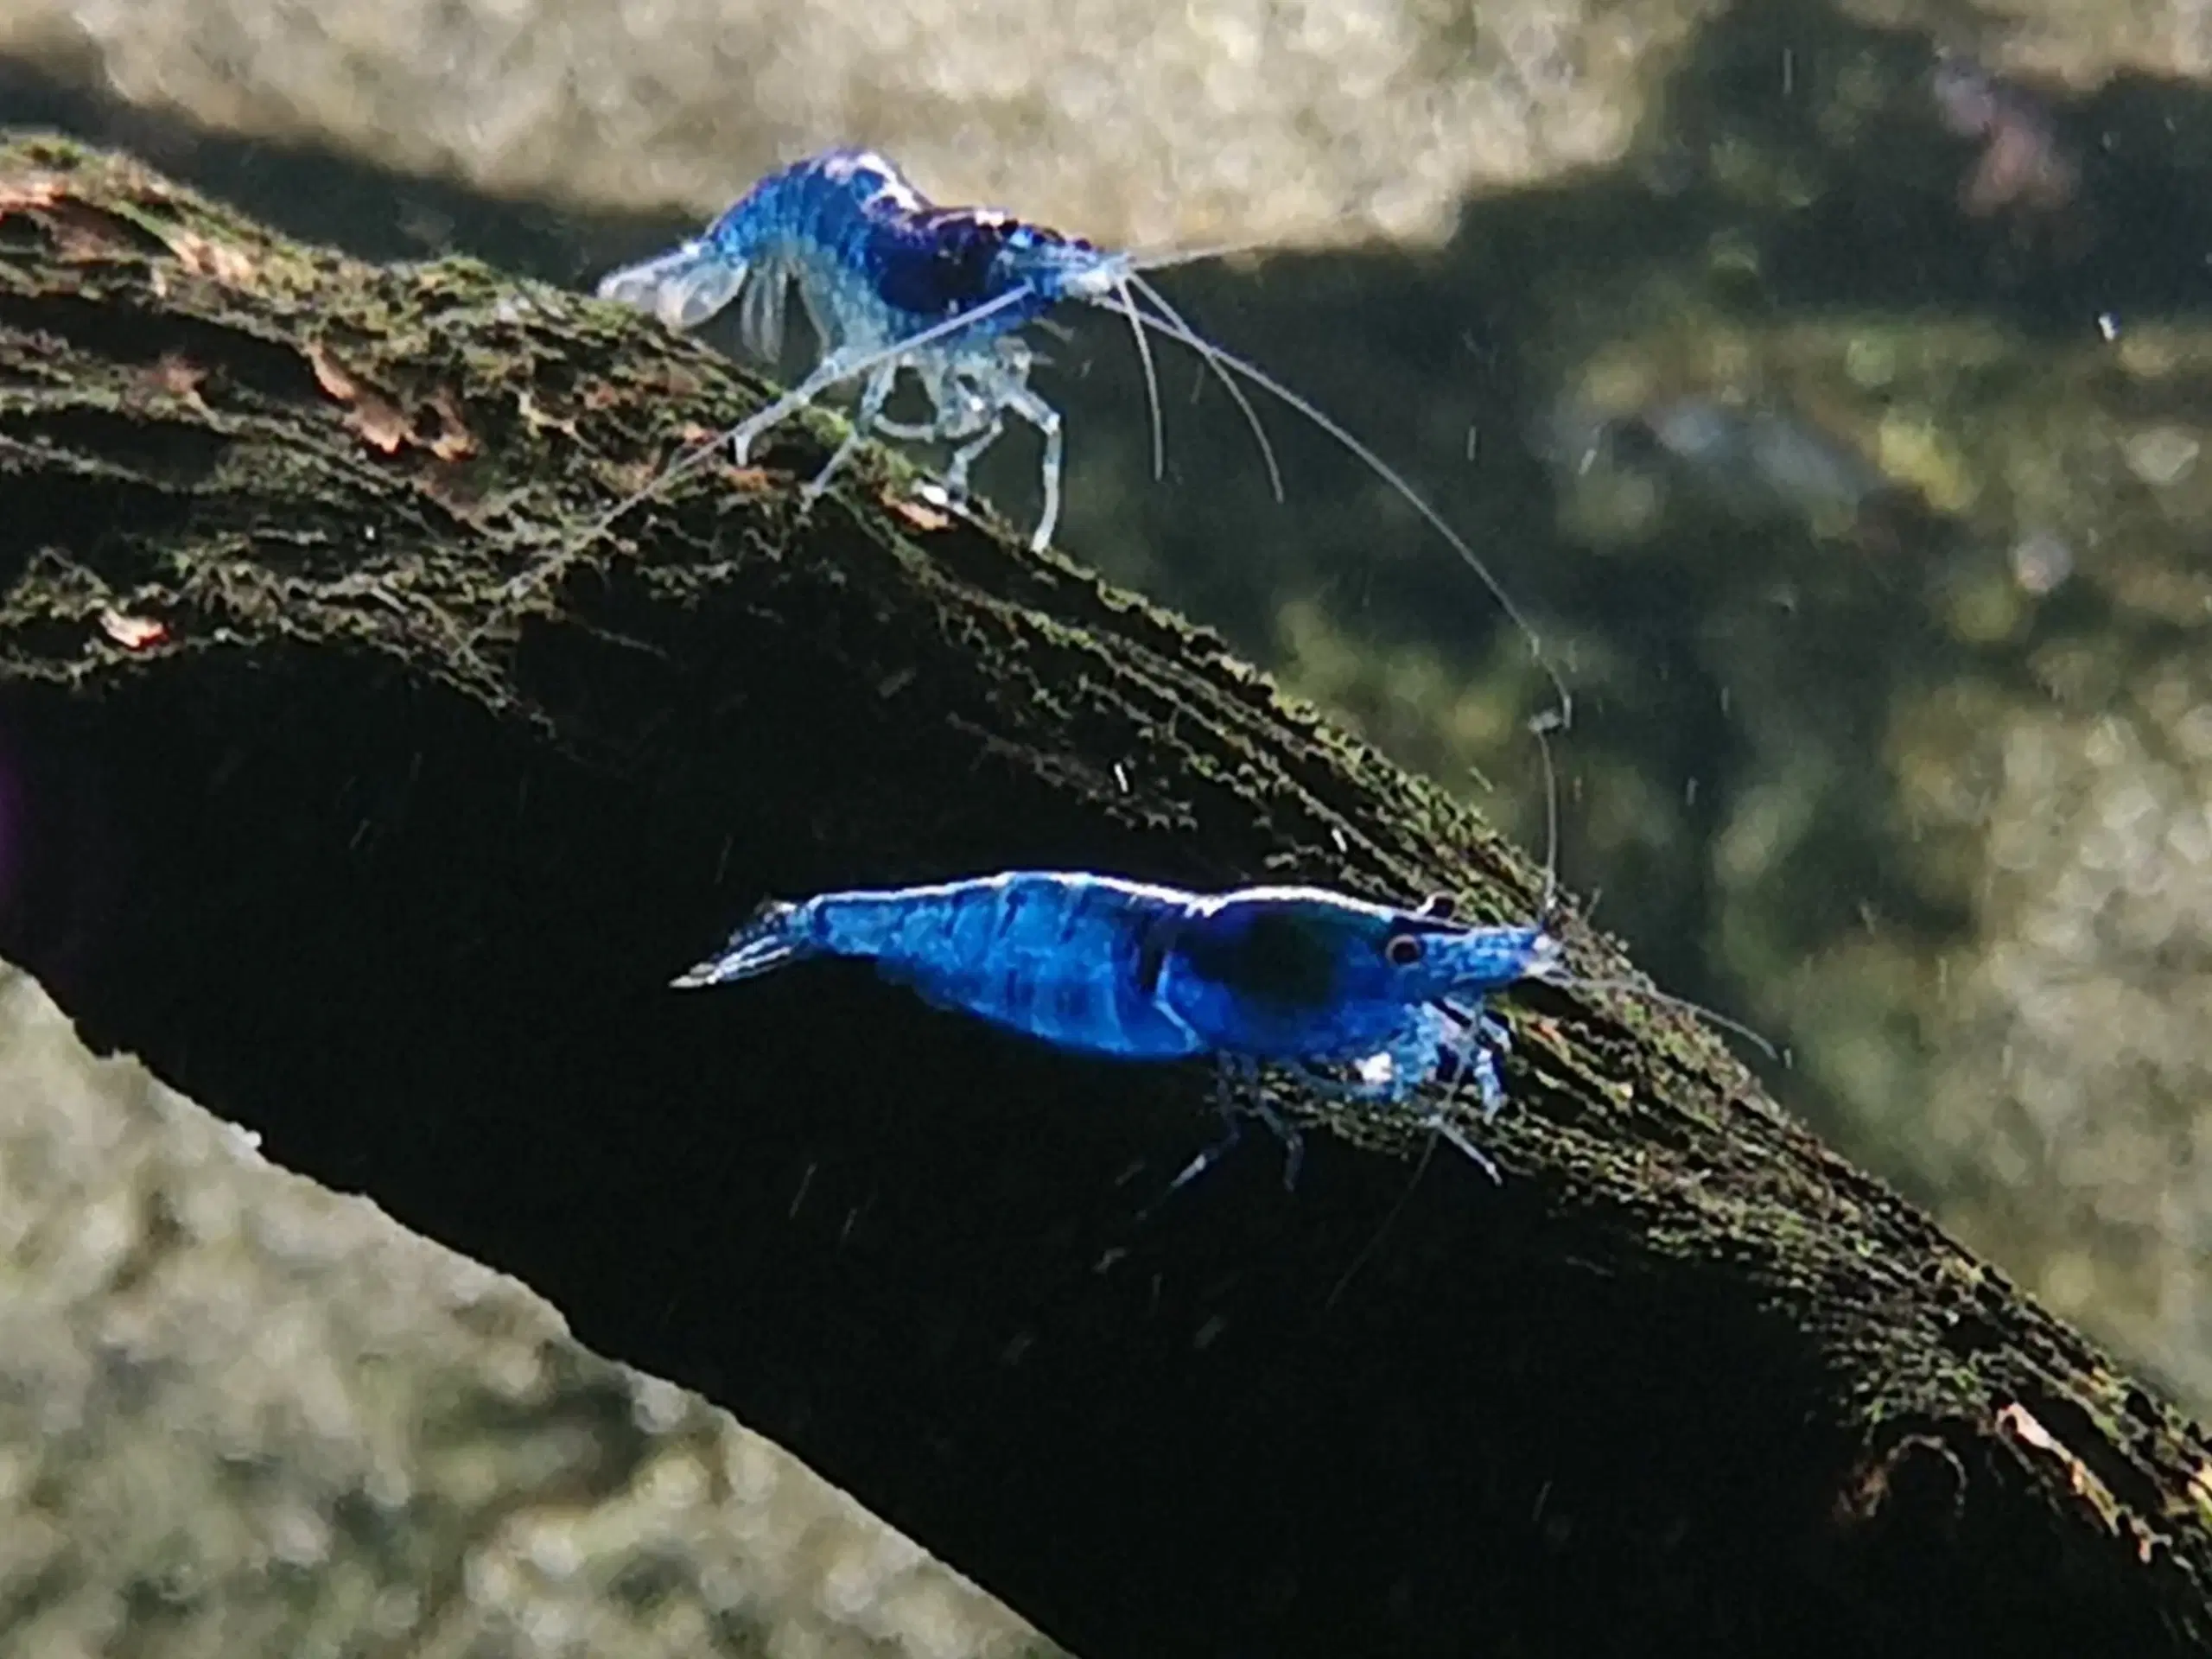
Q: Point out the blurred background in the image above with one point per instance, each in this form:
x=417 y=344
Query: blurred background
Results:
x=1828 y=382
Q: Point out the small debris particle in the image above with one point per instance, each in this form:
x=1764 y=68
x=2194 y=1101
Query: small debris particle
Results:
x=133 y=632
x=454 y=441
x=381 y=421
x=228 y=265
x=2019 y=1422
x=921 y=517
x=80 y=231
x=179 y=378
x=20 y=191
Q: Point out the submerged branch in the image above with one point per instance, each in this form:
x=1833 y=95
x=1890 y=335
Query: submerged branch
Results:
x=310 y=818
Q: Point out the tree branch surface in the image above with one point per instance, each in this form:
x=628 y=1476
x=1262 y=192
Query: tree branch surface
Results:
x=370 y=818
x=245 y=1415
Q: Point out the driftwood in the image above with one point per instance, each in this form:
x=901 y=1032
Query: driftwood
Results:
x=301 y=808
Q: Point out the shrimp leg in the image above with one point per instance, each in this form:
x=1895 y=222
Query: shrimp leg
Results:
x=1393 y=1074
x=1237 y=1096
x=876 y=393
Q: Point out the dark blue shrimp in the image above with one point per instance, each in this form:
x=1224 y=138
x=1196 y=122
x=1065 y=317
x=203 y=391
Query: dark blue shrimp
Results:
x=892 y=282
x=1292 y=977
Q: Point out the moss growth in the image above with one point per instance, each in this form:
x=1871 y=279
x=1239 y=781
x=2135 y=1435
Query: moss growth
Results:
x=722 y=698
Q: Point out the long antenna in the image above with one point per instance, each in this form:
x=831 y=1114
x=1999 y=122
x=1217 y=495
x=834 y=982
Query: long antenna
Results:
x=1209 y=354
x=1765 y=1043
x=1168 y=258
x=1170 y=325
x=1151 y=382
x=1540 y=728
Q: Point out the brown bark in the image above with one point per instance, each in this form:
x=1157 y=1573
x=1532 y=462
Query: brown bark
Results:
x=354 y=851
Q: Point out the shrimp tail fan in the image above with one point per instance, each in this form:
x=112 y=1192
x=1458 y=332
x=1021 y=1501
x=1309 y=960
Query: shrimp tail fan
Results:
x=682 y=287
x=775 y=934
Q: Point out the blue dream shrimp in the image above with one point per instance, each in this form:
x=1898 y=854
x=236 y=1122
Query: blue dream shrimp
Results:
x=1294 y=977
x=893 y=281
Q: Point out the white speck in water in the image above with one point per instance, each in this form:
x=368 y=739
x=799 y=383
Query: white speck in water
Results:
x=2041 y=560
x=2108 y=326
x=2161 y=455
x=1122 y=776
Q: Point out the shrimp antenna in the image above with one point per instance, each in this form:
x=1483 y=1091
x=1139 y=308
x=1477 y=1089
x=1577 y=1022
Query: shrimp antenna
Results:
x=1168 y=258
x=1540 y=728
x=1171 y=323
x=1210 y=355
x=1765 y=1043
x=1151 y=380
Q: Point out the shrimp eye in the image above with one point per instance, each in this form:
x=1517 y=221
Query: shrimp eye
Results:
x=1402 y=951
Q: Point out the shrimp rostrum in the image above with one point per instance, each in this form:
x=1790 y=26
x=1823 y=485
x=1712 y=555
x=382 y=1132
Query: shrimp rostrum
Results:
x=1295 y=977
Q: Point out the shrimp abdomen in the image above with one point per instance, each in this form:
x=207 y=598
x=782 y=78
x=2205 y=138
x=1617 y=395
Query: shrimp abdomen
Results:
x=1062 y=957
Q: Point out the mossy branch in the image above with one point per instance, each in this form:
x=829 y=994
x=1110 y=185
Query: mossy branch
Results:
x=267 y=511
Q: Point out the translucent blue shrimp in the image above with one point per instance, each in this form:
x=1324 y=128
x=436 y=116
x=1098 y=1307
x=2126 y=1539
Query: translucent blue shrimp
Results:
x=1292 y=977
x=892 y=282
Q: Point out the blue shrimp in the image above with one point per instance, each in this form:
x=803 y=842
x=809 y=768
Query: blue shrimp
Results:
x=890 y=282
x=893 y=281
x=1297 y=977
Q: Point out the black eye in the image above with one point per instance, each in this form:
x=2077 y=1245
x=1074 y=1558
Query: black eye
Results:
x=1402 y=951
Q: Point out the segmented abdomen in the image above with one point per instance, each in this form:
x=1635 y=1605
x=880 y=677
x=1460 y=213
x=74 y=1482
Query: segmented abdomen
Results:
x=1070 y=959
